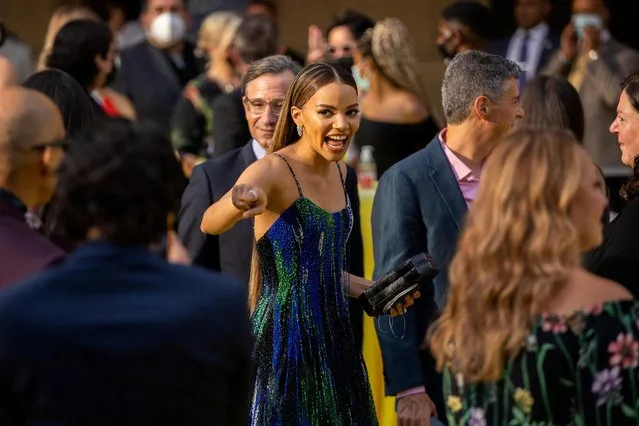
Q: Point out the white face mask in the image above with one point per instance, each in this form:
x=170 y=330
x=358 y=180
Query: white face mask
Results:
x=167 y=29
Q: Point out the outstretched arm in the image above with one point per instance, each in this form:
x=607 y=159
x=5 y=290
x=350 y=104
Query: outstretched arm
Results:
x=247 y=199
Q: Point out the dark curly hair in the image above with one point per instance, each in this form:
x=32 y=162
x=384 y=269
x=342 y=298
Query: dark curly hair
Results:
x=356 y=22
x=75 y=47
x=122 y=179
x=630 y=85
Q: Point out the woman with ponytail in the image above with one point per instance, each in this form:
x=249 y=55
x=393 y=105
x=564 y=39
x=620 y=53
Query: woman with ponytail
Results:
x=309 y=370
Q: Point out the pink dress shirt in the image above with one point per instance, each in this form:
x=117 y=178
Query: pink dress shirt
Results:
x=467 y=181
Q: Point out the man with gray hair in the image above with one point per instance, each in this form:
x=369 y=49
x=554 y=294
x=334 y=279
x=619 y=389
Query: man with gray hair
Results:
x=263 y=88
x=420 y=206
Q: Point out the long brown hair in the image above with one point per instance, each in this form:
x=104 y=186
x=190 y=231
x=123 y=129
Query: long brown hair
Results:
x=516 y=253
x=311 y=79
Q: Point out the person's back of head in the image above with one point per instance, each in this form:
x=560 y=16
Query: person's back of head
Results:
x=473 y=22
x=389 y=46
x=267 y=8
x=120 y=182
x=256 y=38
x=60 y=17
x=76 y=48
x=552 y=102
x=31 y=135
x=523 y=240
x=475 y=85
x=71 y=98
x=216 y=34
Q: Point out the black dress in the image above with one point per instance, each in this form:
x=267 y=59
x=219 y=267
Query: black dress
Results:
x=617 y=258
x=394 y=141
x=573 y=370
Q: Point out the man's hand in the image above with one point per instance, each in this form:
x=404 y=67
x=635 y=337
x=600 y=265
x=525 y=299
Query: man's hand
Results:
x=569 y=42
x=415 y=410
x=316 y=50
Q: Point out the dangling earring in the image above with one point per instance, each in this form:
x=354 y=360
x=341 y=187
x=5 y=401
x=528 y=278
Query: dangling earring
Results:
x=300 y=130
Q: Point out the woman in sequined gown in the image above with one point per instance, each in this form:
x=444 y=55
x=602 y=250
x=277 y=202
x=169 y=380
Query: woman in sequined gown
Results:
x=309 y=371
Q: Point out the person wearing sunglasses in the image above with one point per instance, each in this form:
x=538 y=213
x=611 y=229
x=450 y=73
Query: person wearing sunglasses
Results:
x=31 y=150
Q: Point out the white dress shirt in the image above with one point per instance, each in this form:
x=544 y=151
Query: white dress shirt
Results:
x=258 y=150
x=536 y=40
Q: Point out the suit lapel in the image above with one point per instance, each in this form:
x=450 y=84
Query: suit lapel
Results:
x=445 y=182
x=248 y=156
x=163 y=66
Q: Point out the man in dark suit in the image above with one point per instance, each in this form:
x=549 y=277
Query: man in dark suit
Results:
x=256 y=39
x=532 y=45
x=31 y=131
x=116 y=335
x=154 y=72
x=264 y=87
x=420 y=206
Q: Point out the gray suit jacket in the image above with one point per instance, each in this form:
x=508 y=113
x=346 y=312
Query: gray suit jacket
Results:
x=599 y=95
x=418 y=207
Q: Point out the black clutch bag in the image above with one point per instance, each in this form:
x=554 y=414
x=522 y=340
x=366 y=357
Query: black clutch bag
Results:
x=402 y=281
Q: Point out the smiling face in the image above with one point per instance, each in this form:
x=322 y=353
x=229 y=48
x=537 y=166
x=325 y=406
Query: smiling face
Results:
x=626 y=127
x=263 y=101
x=329 y=120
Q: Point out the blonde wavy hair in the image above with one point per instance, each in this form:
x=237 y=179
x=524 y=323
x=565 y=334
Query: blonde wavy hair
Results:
x=516 y=252
x=217 y=31
x=62 y=16
x=391 y=48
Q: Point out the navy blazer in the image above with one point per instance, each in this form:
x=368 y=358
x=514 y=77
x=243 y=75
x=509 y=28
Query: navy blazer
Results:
x=418 y=208
x=118 y=336
x=550 y=46
x=230 y=252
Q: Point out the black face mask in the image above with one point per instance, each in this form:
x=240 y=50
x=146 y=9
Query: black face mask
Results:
x=345 y=62
x=444 y=53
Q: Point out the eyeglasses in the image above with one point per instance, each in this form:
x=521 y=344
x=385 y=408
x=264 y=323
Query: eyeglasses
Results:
x=258 y=106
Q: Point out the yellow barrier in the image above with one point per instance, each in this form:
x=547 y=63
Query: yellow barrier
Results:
x=385 y=406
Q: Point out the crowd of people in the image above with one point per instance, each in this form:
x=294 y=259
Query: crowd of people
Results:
x=181 y=236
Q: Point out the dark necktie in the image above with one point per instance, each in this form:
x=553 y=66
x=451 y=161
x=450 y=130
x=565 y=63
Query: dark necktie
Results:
x=523 y=59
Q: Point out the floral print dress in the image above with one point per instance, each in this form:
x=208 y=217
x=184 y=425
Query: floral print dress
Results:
x=575 y=370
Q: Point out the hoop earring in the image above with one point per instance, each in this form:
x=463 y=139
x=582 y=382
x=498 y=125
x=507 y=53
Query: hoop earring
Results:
x=300 y=130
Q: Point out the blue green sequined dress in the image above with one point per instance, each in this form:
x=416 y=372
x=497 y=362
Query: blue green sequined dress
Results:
x=309 y=371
